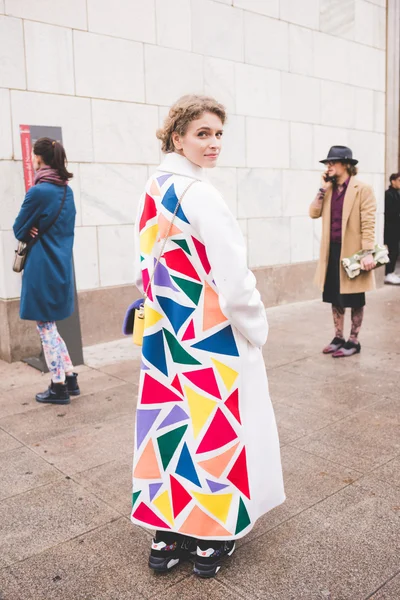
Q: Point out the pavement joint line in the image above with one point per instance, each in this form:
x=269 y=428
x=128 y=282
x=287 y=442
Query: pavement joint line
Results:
x=361 y=473
x=370 y=597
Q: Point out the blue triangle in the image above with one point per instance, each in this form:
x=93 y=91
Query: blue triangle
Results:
x=175 y=313
x=176 y=415
x=153 y=489
x=215 y=487
x=222 y=342
x=170 y=201
x=153 y=351
x=185 y=467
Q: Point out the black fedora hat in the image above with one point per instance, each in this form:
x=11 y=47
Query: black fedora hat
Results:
x=342 y=153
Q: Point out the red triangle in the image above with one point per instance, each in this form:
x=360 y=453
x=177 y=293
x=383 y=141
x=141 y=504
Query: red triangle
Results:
x=154 y=392
x=146 y=279
x=238 y=474
x=177 y=384
x=232 y=403
x=178 y=261
x=205 y=380
x=218 y=434
x=201 y=251
x=144 y=514
x=189 y=333
x=180 y=497
x=149 y=211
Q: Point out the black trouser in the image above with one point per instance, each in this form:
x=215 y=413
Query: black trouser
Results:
x=392 y=239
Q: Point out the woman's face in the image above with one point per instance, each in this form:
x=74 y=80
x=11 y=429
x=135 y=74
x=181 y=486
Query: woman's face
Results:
x=37 y=161
x=202 y=141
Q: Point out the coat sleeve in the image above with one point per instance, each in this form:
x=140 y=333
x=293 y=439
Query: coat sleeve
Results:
x=368 y=218
x=137 y=275
x=239 y=299
x=315 y=210
x=392 y=208
x=28 y=216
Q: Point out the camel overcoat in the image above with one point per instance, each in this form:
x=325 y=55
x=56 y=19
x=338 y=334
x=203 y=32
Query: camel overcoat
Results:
x=358 y=233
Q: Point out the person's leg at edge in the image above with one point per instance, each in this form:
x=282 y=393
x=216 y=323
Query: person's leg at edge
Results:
x=57 y=393
x=70 y=377
x=338 y=314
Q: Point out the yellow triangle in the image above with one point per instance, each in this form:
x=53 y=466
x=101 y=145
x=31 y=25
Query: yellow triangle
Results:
x=217 y=504
x=151 y=316
x=200 y=409
x=147 y=239
x=228 y=375
x=164 y=506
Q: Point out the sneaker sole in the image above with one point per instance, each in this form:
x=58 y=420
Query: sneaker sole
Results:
x=75 y=393
x=163 y=565
x=209 y=571
x=53 y=401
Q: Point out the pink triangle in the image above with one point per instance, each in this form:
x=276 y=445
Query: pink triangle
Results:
x=189 y=333
x=201 y=251
x=205 y=380
x=149 y=211
x=177 y=384
x=154 y=392
x=232 y=403
x=146 y=279
x=218 y=434
x=238 y=474
x=145 y=515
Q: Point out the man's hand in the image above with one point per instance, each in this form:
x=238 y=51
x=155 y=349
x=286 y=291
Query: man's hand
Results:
x=33 y=232
x=367 y=263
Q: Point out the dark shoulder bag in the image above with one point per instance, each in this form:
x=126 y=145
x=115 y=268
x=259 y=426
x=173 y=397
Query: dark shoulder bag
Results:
x=23 y=248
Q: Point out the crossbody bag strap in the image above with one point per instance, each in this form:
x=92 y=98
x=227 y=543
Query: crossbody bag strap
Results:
x=167 y=236
x=40 y=235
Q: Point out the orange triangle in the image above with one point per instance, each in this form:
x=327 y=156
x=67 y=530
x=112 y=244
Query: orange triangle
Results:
x=217 y=465
x=200 y=524
x=154 y=189
x=163 y=227
x=212 y=314
x=147 y=465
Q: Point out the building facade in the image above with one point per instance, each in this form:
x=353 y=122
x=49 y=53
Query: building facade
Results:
x=296 y=78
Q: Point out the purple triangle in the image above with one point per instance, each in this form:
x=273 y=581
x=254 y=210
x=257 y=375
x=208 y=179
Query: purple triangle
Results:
x=162 y=278
x=177 y=414
x=144 y=421
x=143 y=367
x=163 y=178
x=153 y=489
x=215 y=487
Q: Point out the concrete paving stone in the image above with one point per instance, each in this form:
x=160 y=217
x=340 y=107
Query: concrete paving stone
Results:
x=128 y=370
x=47 y=421
x=389 y=472
x=193 y=588
x=287 y=436
x=389 y=407
x=390 y=591
x=22 y=470
x=17 y=375
x=111 y=482
x=38 y=519
x=7 y=442
x=90 y=446
x=300 y=420
x=343 y=548
x=109 y=563
x=20 y=399
x=362 y=441
x=92 y=381
x=283 y=384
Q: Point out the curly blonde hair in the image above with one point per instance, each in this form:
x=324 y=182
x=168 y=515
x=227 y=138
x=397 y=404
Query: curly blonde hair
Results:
x=182 y=113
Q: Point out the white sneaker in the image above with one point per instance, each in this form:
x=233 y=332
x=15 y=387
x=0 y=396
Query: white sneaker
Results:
x=392 y=279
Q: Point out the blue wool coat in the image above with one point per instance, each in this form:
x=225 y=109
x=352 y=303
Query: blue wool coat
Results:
x=47 y=282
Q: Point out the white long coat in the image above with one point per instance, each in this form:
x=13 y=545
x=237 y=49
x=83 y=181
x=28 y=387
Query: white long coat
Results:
x=207 y=459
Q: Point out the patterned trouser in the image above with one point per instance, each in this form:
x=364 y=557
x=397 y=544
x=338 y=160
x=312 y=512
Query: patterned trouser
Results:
x=55 y=351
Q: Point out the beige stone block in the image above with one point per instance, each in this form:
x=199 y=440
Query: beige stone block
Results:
x=298 y=191
x=338 y=104
x=12 y=58
x=6 y=144
x=10 y=282
x=219 y=81
x=370 y=24
x=224 y=179
x=267 y=143
x=259 y=193
x=304 y=13
x=121 y=61
x=301 y=50
x=270 y=8
x=324 y=138
x=125 y=133
x=258 y=91
x=368 y=67
x=379 y=112
x=72 y=114
x=12 y=192
x=224 y=39
x=338 y=18
x=234 y=143
x=75 y=186
x=364 y=109
x=266 y=42
x=2 y=7
x=57 y=12
x=332 y=58
x=369 y=148
x=163 y=74
x=129 y=19
x=116 y=249
x=301 y=98
x=269 y=241
x=49 y=58
x=301 y=239
x=301 y=146
x=174 y=24
x=86 y=258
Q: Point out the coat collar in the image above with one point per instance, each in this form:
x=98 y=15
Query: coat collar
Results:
x=180 y=165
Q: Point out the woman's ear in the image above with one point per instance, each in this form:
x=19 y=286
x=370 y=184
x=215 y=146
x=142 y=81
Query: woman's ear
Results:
x=176 y=140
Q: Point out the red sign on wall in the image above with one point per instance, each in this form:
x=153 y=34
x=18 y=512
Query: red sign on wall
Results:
x=29 y=135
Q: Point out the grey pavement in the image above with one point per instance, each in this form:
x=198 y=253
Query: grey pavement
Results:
x=65 y=476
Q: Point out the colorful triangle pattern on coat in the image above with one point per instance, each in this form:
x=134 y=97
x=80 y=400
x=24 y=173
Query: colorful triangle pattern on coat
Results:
x=185 y=467
x=153 y=351
x=176 y=313
x=222 y=342
x=170 y=200
x=205 y=380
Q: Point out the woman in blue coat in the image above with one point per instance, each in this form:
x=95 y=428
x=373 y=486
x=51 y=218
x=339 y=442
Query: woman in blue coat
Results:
x=47 y=284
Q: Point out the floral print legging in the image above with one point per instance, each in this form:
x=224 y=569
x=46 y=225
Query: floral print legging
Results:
x=55 y=351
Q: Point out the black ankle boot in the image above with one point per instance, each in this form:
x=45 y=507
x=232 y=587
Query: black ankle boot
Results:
x=57 y=393
x=72 y=384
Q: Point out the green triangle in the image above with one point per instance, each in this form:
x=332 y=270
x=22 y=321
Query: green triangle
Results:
x=141 y=258
x=184 y=245
x=135 y=496
x=169 y=442
x=178 y=353
x=191 y=289
x=243 y=518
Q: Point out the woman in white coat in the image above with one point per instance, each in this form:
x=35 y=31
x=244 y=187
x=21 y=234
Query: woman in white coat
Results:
x=207 y=460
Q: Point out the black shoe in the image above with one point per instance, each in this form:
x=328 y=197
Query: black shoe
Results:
x=72 y=384
x=57 y=393
x=210 y=555
x=335 y=344
x=169 y=549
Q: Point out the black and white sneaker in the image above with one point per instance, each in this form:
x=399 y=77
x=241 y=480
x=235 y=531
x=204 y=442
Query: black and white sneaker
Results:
x=209 y=556
x=169 y=549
